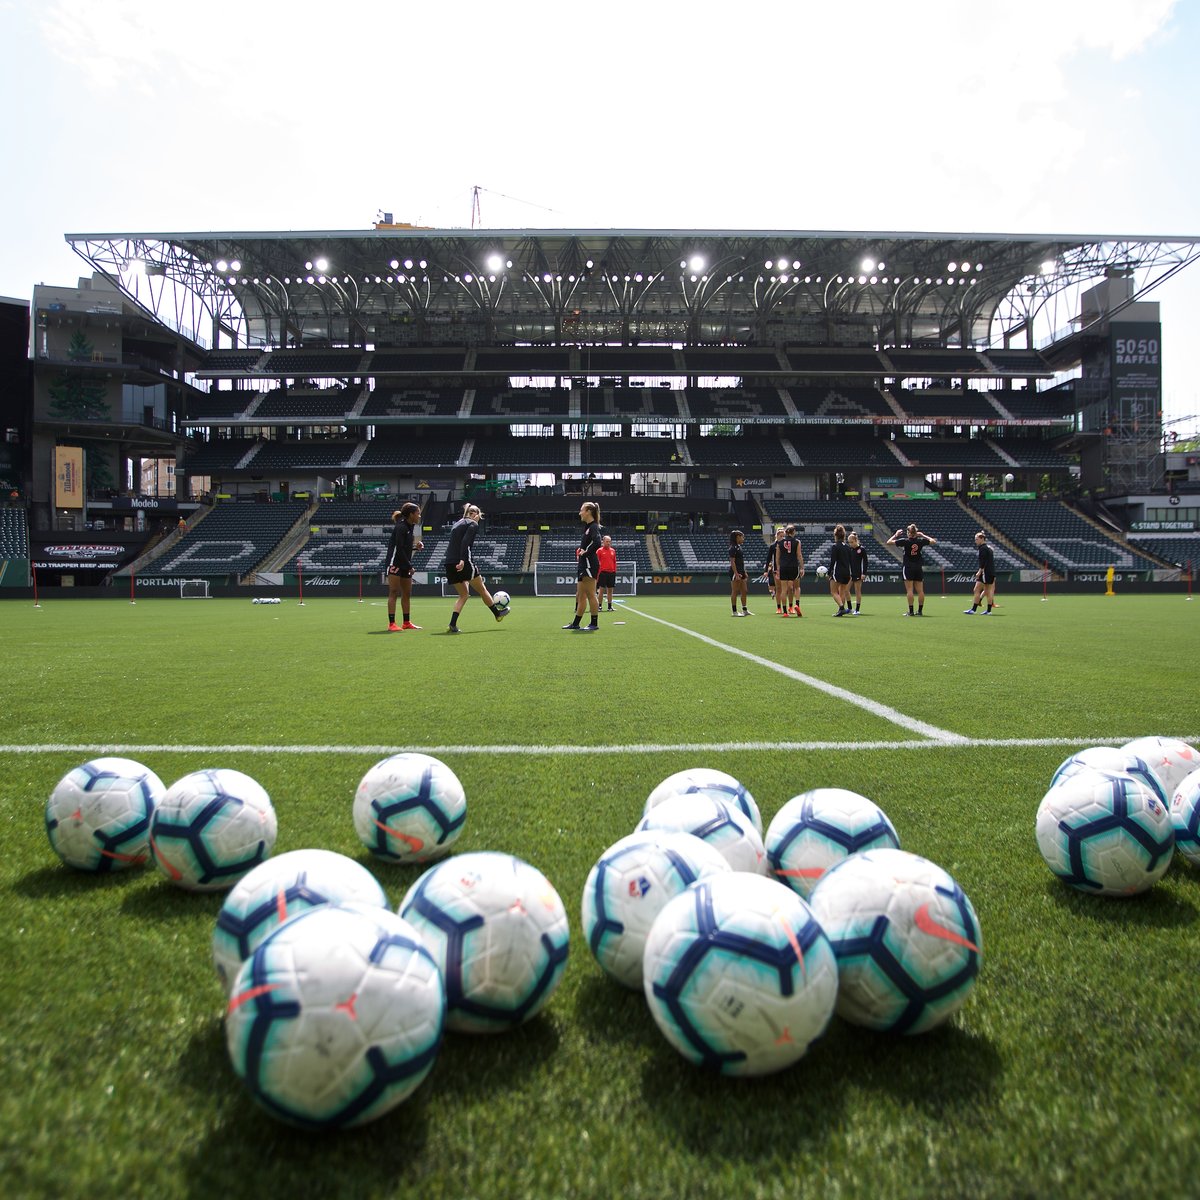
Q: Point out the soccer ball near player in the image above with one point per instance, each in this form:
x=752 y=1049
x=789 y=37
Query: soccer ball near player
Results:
x=336 y=1017
x=409 y=808
x=818 y=829
x=628 y=887
x=282 y=888
x=822 y=572
x=498 y=932
x=722 y=826
x=706 y=781
x=1185 y=818
x=501 y=599
x=1169 y=758
x=1112 y=760
x=98 y=816
x=1105 y=832
x=738 y=974
x=211 y=828
x=907 y=940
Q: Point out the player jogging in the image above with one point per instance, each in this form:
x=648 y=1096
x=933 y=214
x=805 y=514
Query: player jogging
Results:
x=589 y=567
x=404 y=541
x=839 y=571
x=606 y=580
x=858 y=568
x=985 y=577
x=460 y=570
x=911 y=543
x=738 y=580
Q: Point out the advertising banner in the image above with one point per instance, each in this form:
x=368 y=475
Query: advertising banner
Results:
x=68 y=476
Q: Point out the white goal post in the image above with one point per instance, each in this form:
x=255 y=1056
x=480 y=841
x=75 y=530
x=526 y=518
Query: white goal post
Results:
x=193 y=589
x=559 y=578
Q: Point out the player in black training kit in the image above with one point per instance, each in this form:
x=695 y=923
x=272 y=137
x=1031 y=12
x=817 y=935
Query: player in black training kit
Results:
x=839 y=571
x=399 y=562
x=738 y=581
x=589 y=569
x=789 y=570
x=858 y=568
x=985 y=577
x=913 y=570
x=460 y=570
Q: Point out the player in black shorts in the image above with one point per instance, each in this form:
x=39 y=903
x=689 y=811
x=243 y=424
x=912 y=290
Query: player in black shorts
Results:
x=911 y=543
x=461 y=571
x=985 y=577
x=399 y=567
x=770 y=571
x=738 y=580
x=839 y=571
x=588 y=557
x=858 y=568
x=789 y=570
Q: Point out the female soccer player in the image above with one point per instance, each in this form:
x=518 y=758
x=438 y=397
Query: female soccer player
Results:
x=858 y=568
x=913 y=570
x=839 y=571
x=405 y=540
x=770 y=572
x=789 y=570
x=589 y=568
x=606 y=556
x=985 y=577
x=460 y=570
x=739 y=583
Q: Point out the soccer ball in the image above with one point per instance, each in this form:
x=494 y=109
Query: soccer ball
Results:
x=279 y=889
x=907 y=940
x=1113 y=761
x=498 y=932
x=706 y=781
x=1105 y=832
x=336 y=1017
x=211 y=828
x=1169 y=758
x=409 y=808
x=739 y=976
x=501 y=599
x=822 y=572
x=817 y=829
x=98 y=816
x=1185 y=818
x=724 y=827
x=627 y=889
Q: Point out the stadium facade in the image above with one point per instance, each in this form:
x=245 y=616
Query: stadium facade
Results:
x=682 y=376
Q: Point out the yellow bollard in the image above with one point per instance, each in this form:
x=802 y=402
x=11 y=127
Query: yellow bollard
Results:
x=1108 y=582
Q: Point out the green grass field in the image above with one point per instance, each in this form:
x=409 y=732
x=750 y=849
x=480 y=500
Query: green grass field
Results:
x=1066 y=1074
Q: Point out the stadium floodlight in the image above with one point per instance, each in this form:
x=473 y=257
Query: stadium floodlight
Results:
x=868 y=265
x=1048 y=267
x=495 y=262
x=952 y=267
x=767 y=266
x=235 y=265
x=222 y=266
x=322 y=263
x=396 y=262
x=135 y=266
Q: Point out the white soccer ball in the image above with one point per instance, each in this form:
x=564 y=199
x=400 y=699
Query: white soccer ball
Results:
x=818 y=829
x=739 y=976
x=907 y=940
x=409 y=808
x=336 y=1017
x=502 y=599
x=499 y=934
x=822 y=572
x=628 y=887
x=1185 y=818
x=1112 y=760
x=706 y=781
x=1169 y=758
x=98 y=816
x=282 y=888
x=722 y=826
x=211 y=828
x=1105 y=832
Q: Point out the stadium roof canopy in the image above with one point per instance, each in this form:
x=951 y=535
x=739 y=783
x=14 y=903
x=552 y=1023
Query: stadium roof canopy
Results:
x=398 y=284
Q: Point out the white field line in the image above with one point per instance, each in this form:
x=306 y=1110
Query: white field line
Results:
x=540 y=751
x=944 y=736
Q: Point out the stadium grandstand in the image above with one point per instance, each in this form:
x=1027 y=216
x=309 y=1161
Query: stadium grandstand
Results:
x=279 y=394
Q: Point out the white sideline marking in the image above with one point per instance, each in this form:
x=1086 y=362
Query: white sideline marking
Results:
x=544 y=751
x=944 y=736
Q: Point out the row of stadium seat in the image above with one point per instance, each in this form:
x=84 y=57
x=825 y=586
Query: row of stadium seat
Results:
x=14 y=533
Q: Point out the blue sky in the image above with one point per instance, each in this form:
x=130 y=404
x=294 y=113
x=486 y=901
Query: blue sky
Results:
x=1048 y=116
